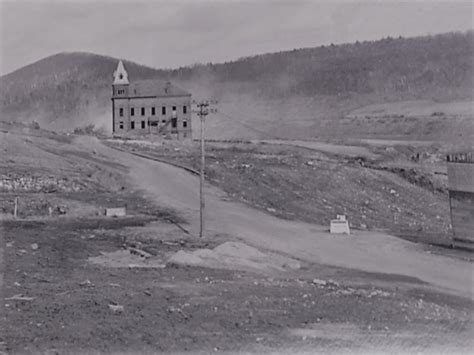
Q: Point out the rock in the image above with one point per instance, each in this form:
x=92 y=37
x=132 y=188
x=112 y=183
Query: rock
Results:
x=393 y=192
x=86 y=283
x=116 y=308
x=319 y=282
x=272 y=210
x=9 y=244
x=34 y=246
x=363 y=226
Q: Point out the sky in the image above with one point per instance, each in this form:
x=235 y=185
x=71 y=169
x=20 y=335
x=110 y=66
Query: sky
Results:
x=169 y=34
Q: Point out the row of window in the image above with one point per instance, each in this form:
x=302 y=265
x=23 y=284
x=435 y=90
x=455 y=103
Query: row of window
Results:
x=120 y=91
x=153 y=110
x=174 y=124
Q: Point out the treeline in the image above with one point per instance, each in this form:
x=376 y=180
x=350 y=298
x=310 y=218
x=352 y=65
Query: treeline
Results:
x=397 y=66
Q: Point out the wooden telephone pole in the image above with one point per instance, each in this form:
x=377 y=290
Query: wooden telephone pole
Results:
x=202 y=110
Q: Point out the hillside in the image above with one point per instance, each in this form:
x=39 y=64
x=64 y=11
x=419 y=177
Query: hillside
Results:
x=301 y=93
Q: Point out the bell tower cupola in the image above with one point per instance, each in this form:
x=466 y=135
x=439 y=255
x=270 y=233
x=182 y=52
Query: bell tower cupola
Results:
x=120 y=85
x=120 y=75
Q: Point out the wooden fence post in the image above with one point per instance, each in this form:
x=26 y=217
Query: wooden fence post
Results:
x=15 y=211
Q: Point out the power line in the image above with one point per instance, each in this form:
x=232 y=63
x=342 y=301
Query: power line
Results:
x=236 y=120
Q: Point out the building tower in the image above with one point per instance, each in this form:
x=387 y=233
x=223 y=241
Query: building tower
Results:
x=119 y=88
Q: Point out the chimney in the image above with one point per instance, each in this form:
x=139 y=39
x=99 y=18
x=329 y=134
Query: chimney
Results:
x=167 y=87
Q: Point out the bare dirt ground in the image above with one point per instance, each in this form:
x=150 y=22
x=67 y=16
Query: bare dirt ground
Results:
x=378 y=188
x=365 y=293
x=69 y=304
x=368 y=251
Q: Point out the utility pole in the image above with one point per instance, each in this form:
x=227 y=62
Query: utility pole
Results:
x=202 y=110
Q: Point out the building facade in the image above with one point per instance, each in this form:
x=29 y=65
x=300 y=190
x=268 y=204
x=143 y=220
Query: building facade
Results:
x=461 y=197
x=149 y=107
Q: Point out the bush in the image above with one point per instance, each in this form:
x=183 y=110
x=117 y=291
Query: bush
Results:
x=89 y=129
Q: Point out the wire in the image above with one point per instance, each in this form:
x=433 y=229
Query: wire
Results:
x=236 y=120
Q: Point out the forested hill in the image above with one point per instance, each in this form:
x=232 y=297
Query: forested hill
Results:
x=399 y=67
x=68 y=89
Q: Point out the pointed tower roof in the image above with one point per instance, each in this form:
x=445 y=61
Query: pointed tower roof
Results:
x=120 y=74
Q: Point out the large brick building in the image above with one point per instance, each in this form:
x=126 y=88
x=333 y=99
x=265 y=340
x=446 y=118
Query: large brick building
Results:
x=149 y=107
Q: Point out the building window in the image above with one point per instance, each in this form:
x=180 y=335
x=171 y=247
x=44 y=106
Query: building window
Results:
x=120 y=91
x=132 y=125
x=121 y=124
x=163 y=110
x=185 y=124
x=143 y=124
x=153 y=111
x=163 y=121
x=174 y=123
x=185 y=109
x=174 y=108
x=143 y=111
x=132 y=111
x=121 y=111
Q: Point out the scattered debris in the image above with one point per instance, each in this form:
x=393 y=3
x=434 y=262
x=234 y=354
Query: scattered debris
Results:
x=115 y=212
x=319 y=282
x=86 y=283
x=139 y=252
x=124 y=258
x=19 y=297
x=116 y=308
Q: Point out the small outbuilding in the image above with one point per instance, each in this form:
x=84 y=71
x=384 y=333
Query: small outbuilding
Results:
x=461 y=197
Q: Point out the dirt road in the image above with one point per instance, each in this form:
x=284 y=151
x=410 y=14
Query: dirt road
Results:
x=367 y=251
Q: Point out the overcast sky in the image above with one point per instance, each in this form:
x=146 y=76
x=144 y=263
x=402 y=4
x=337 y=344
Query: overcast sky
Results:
x=175 y=33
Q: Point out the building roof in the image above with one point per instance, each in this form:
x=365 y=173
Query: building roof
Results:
x=155 y=88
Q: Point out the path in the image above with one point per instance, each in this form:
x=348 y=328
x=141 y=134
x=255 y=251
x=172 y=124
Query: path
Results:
x=367 y=251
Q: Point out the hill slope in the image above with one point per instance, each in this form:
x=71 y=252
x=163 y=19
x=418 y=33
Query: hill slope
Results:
x=294 y=94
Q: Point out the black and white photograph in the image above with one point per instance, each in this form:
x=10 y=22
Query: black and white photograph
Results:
x=236 y=177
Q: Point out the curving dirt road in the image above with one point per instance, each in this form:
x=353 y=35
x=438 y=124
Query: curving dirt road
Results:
x=367 y=251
